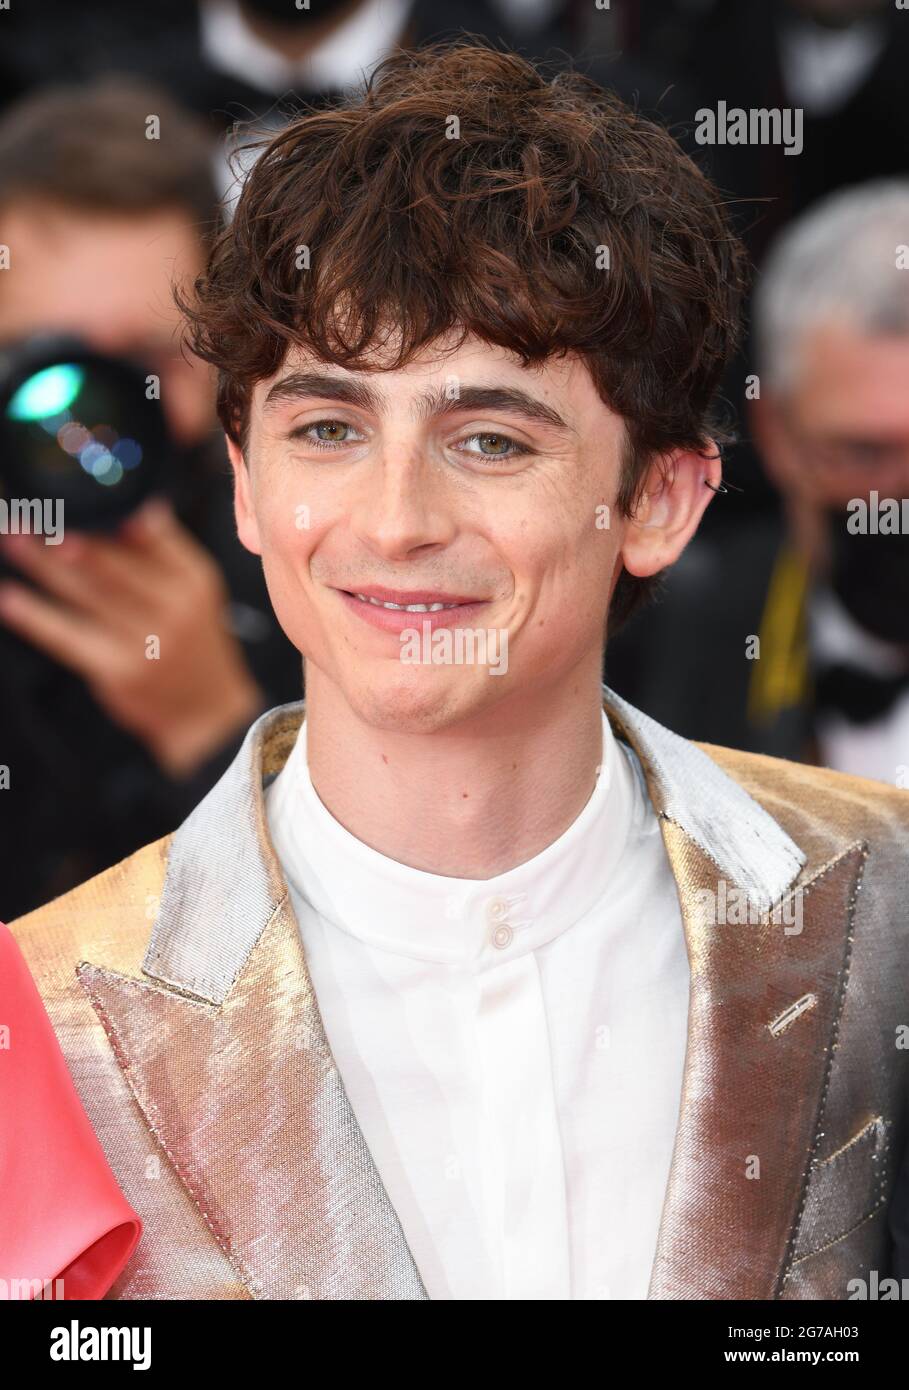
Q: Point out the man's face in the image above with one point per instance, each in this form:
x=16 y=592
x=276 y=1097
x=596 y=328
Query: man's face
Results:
x=843 y=427
x=462 y=479
x=107 y=279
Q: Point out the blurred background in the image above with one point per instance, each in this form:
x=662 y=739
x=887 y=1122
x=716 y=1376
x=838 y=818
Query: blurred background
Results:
x=782 y=629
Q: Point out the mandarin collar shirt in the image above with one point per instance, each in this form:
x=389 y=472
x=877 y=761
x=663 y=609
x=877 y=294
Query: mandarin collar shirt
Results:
x=512 y=1047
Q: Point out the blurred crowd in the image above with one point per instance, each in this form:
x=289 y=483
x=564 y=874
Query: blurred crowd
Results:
x=783 y=629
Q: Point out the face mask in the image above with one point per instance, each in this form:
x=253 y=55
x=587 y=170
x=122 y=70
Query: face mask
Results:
x=870 y=577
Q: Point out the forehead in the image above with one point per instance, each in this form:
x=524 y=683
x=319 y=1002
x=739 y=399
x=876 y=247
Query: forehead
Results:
x=853 y=379
x=105 y=276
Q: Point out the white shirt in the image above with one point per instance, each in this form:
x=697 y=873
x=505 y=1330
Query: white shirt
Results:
x=880 y=748
x=340 y=61
x=823 y=68
x=513 y=1047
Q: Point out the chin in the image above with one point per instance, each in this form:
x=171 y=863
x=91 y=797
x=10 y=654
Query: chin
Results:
x=420 y=702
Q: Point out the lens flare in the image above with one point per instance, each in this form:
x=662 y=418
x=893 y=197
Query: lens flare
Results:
x=48 y=392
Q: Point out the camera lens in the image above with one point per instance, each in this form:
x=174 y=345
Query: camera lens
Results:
x=79 y=428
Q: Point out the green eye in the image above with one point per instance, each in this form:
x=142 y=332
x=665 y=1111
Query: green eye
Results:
x=332 y=425
x=503 y=445
x=326 y=434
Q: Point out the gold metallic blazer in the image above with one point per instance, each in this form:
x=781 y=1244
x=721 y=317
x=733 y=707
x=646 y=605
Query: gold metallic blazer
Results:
x=178 y=988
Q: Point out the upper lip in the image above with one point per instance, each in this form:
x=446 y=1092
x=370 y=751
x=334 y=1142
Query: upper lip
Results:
x=405 y=596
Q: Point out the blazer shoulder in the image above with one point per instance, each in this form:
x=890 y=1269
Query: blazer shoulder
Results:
x=855 y=804
x=108 y=918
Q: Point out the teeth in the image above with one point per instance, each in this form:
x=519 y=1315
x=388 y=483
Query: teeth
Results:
x=408 y=607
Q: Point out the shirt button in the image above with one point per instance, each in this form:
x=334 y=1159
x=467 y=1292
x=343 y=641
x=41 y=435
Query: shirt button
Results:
x=496 y=909
x=502 y=936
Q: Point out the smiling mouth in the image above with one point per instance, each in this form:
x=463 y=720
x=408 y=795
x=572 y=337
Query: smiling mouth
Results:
x=417 y=602
x=403 y=607
x=402 y=610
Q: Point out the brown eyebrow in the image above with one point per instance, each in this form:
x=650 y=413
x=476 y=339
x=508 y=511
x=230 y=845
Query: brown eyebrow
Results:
x=432 y=404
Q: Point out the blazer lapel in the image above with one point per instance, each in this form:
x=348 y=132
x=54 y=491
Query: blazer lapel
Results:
x=224 y=1049
x=768 y=936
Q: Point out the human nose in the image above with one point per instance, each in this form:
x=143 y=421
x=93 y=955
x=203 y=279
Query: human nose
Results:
x=402 y=504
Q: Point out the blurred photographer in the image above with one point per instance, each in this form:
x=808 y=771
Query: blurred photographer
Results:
x=137 y=650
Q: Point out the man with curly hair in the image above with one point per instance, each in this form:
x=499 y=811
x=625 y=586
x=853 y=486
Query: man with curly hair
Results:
x=468 y=980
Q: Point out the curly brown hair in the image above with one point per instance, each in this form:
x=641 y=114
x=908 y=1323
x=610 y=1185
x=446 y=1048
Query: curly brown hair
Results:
x=494 y=229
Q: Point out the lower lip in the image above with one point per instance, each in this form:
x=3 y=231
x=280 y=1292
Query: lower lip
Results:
x=397 y=620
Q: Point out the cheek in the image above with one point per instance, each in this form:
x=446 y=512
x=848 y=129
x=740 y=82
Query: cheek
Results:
x=288 y=539
x=563 y=584
x=574 y=562
x=285 y=566
x=283 y=521
x=285 y=543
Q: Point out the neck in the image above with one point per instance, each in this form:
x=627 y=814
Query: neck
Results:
x=468 y=802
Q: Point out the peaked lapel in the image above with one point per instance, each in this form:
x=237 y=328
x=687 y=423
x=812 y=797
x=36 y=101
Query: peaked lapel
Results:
x=768 y=935
x=224 y=1049
x=223 y=1045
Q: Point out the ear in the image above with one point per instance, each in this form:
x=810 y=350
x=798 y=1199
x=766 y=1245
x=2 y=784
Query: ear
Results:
x=244 y=511
x=670 y=508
